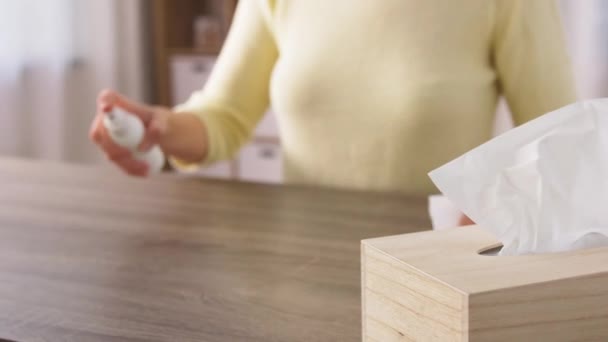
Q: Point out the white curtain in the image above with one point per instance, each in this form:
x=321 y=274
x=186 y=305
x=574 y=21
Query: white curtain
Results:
x=55 y=55
x=586 y=24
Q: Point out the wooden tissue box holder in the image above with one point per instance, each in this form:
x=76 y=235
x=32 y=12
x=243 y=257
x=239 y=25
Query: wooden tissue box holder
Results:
x=434 y=286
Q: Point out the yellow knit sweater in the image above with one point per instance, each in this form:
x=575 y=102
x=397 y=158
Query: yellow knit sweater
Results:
x=375 y=94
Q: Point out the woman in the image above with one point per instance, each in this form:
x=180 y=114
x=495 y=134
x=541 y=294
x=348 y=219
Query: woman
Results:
x=369 y=94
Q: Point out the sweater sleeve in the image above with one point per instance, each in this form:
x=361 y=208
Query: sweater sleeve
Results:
x=530 y=56
x=236 y=95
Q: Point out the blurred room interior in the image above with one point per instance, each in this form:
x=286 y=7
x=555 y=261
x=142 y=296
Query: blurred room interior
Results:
x=57 y=54
x=88 y=254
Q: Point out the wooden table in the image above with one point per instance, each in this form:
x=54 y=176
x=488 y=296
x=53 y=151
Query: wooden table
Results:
x=91 y=255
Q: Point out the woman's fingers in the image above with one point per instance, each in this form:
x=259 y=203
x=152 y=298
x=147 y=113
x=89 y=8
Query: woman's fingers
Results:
x=154 y=130
x=108 y=99
x=112 y=150
x=152 y=117
x=465 y=221
x=95 y=132
x=123 y=158
x=132 y=166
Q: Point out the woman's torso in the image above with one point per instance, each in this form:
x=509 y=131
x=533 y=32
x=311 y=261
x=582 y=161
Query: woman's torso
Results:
x=375 y=94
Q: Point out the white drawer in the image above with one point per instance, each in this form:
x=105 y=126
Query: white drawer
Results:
x=221 y=170
x=189 y=74
x=261 y=162
x=268 y=126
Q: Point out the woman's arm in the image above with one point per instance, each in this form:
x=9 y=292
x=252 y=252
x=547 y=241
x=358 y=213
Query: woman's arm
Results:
x=531 y=59
x=216 y=121
x=236 y=95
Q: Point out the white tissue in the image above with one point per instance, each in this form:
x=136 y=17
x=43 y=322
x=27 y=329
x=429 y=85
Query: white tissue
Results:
x=541 y=187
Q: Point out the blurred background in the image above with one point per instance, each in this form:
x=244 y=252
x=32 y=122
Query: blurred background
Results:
x=55 y=55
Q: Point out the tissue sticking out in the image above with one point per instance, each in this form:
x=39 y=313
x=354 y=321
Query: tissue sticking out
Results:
x=541 y=187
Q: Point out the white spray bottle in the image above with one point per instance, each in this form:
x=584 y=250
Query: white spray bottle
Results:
x=127 y=130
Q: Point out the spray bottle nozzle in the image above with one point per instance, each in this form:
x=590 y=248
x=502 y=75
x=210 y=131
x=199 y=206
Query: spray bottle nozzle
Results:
x=116 y=122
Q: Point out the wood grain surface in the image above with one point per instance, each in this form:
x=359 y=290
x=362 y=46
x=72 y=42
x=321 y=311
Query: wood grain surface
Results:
x=91 y=255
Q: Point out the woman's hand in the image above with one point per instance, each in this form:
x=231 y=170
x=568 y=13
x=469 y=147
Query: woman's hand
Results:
x=155 y=120
x=465 y=221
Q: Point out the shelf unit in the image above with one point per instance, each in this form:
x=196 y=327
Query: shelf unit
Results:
x=172 y=24
x=180 y=68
